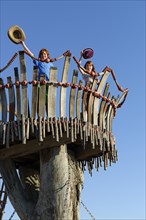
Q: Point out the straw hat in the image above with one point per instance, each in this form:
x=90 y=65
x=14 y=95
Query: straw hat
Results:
x=16 y=34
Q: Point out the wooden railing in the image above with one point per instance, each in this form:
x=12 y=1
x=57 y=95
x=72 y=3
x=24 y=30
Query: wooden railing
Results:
x=32 y=121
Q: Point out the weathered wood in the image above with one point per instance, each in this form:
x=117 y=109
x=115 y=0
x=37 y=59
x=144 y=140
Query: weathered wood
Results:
x=97 y=100
x=23 y=78
x=32 y=146
x=18 y=97
x=14 y=189
x=30 y=180
x=90 y=102
x=3 y=101
x=72 y=126
x=23 y=127
x=63 y=88
x=60 y=177
x=52 y=93
x=56 y=129
x=81 y=130
x=19 y=130
x=84 y=130
x=44 y=127
x=8 y=135
x=11 y=99
x=82 y=154
x=104 y=112
x=42 y=97
x=3 y=198
x=34 y=93
x=73 y=95
x=0 y=108
x=18 y=103
x=85 y=103
x=78 y=101
x=60 y=127
x=102 y=106
x=72 y=103
x=108 y=115
x=67 y=127
x=107 y=130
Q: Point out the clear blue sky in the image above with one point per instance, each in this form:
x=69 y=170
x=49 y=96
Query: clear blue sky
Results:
x=116 y=32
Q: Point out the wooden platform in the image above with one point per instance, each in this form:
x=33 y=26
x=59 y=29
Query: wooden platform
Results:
x=30 y=123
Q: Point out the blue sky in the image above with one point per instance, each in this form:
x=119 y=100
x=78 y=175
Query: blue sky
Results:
x=116 y=32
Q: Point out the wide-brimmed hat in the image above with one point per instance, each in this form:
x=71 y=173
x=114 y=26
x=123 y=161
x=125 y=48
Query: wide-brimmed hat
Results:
x=16 y=34
x=88 y=53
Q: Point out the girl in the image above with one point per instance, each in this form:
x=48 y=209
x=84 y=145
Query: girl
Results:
x=44 y=63
x=88 y=71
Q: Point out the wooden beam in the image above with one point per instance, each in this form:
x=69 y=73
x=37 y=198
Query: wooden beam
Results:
x=31 y=146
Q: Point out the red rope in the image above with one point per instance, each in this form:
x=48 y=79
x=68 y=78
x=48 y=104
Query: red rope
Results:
x=67 y=84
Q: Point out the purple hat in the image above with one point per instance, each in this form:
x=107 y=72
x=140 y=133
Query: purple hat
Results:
x=88 y=53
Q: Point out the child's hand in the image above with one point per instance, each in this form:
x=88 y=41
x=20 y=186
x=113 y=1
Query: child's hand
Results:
x=67 y=53
x=81 y=53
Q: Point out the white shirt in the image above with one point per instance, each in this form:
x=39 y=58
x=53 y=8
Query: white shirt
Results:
x=89 y=78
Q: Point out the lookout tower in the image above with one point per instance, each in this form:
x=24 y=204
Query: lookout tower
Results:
x=44 y=150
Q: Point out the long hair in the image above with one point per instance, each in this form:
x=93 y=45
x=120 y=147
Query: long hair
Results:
x=90 y=63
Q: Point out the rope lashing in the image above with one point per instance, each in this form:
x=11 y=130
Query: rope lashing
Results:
x=34 y=82
x=67 y=84
x=17 y=83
